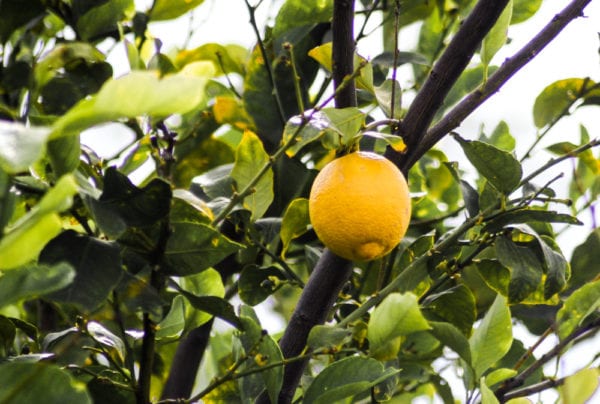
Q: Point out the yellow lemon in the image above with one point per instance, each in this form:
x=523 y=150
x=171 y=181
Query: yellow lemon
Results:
x=359 y=206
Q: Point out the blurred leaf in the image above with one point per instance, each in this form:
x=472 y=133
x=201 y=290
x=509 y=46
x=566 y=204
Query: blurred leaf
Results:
x=138 y=93
x=250 y=159
x=525 y=268
x=20 y=146
x=397 y=315
x=172 y=325
x=104 y=336
x=256 y=284
x=468 y=81
x=33 y=281
x=230 y=110
x=497 y=36
x=524 y=9
x=103 y=18
x=64 y=154
x=97 y=264
x=577 y=307
x=226 y=58
x=24 y=383
x=529 y=215
x=206 y=155
x=499 y=375
x=214 y=305
x=346 y=378
x=265 y=351
x=383 y=93
x=579 y=387
x=194 y=247
x=38 y=226
x=585 y=261
x=171 y=9
x=295 y=222
x=487 y=395
x=296 y=18
x=415 y=10
x=455 y=305
x=493 y=338
x=453 y=338
x=500 y=168
x=556 y=98
x=323 y=55
x=13 y=15
x=325 y=336
x=206 y=283
x=501 y=137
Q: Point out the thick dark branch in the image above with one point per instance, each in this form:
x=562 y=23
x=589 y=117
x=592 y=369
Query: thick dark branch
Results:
x=444 y=74
x=512 y=65
x=343 y=52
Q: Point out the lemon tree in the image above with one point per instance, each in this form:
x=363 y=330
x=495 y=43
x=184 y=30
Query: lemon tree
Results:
x=299 y=216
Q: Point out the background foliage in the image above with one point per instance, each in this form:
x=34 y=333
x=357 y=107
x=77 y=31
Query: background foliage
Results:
x=114 y=269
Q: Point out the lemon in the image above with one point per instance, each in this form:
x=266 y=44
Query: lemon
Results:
x=359 y=206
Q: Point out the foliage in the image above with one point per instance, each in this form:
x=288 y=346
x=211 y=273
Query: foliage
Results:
x=110 y=264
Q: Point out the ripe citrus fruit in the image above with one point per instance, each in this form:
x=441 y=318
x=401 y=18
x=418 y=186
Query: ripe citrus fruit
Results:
x=359 y=206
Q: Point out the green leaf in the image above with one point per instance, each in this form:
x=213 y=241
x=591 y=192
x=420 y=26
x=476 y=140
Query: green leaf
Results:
x=138 y=93
x=20 y=146
x=496 y=37
x=325 y=336
x=214 y=305
x=577 y=307
x=345 y=121
x=33 y=281
x=104 y=336
x=265 y=351
x=525 y=268
x=397 y=315
x=501 y=137
x=256 y=284
x=556 y=98
x=296 y=18
x=194 y=247
x=584 y=261
x=468 y=81
x=64 y=154
x=38 y=226
x=172 y=325
x=346 y=378
x=453 y=338
x=495 y=275
x=206 y=283
x=295 y=222
x=24 y=383
x=250 y=160
x=493 y=338
x=97 y=264
x=529 y=215
x=103 y=18
x=171 y=9
x=455 y=305
x=579 y=387
x=228 y=58
x=487 y=395
x=499 y=375
x=500 y=168
x=13 y=15
x=524 y=9
x=383 y=94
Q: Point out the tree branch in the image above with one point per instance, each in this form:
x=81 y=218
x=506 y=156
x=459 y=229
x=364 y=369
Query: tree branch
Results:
x=511 y=65
x=444 y=74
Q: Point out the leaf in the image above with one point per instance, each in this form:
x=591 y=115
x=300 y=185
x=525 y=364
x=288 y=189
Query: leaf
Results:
x=449 y=335
x=227 y=58
x=265 y=351
x=497 y=36
x=255 y=284
x=214 y=305
x=346 y=378
x=455 y=305
x=584 y=261
x=487 y=395
x=105 y=337
x=397 y=315
x=500 y=168
x=206 y=283
x=13 y=15
x=250 y=160
x=345 y=121
x=135 y=94
x=529 y=215
x=383 y=94
x=33 y=281
x=23 y=383
x=194 y=247
x=97 y=265
x=20 y=146
x=499 y=375
x=493 y=338
x=295 y=222
x=172 y=325
x=577 y=307
x=501 y=137
x=394 y=141
x=579 y=387
x=468 y=81
x=525 y=268
x=495 y=275
x=38 y=226
x=524 y=9
x=556 y=98
x=301 y=15
x=103 y=19
x=325 y=336
x=171 y=9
